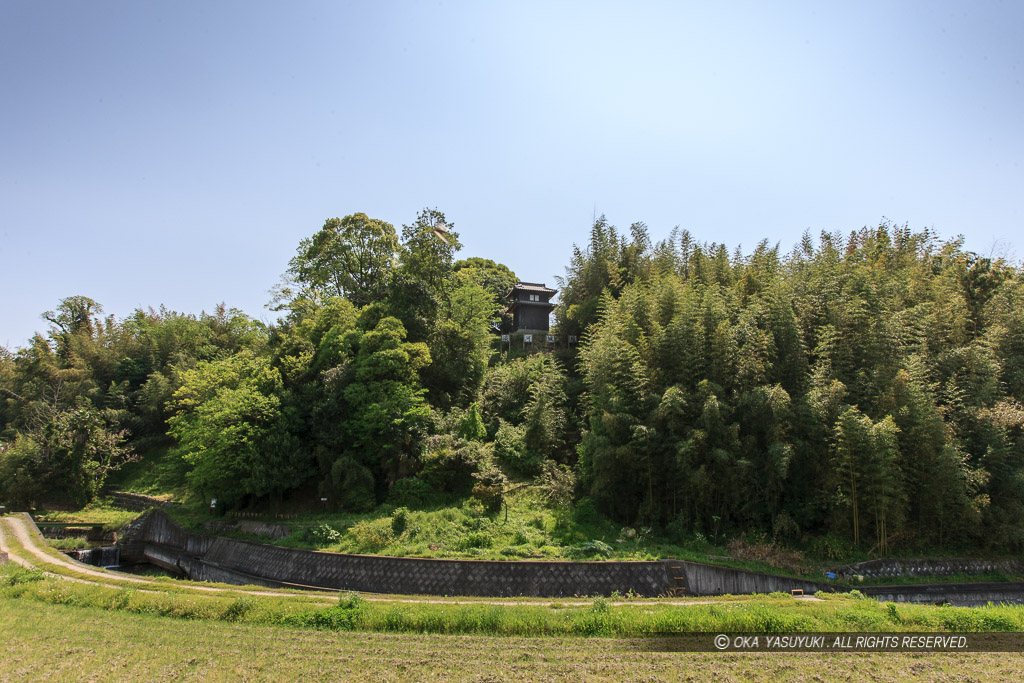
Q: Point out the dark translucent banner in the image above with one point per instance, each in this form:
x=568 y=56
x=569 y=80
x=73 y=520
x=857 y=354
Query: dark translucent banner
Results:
x=834 y=642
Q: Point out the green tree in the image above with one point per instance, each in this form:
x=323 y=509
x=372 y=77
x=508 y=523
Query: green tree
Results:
x=425 y=256
x=351 y=257
x=496 y=278
x=867 y=457
x=385 y=415
x=460 y=346
x=65 y=460
x=229 y=427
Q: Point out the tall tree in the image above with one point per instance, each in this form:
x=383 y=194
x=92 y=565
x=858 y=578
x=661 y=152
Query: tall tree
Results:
x=351 y=257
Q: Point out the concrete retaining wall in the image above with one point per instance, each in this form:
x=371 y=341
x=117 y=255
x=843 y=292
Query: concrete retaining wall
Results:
x=930 y=567
x=159 y=540
x=960 y=594
x=706 y=579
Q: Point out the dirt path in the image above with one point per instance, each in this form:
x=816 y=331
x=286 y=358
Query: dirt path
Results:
x=18 y=528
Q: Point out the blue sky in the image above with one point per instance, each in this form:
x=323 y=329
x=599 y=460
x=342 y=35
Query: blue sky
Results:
x=176 y=153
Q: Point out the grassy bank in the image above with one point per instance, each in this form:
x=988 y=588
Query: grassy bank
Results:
x=763 y=614
x=100 y=511
x=53 y=642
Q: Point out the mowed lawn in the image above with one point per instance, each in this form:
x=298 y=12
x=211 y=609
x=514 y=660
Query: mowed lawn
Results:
x=63 y=643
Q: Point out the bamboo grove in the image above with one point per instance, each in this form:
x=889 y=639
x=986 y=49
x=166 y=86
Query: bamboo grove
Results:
x=866 y=385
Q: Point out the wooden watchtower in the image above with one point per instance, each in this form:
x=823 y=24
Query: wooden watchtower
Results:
x=529 y=304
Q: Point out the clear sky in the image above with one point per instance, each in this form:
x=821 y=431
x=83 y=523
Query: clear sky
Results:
x=176 y=152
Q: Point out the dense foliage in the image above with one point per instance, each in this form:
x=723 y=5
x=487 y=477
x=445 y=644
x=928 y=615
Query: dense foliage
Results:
x=868 y=386
x=860 y=390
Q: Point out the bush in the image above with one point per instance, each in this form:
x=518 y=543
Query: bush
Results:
x=510 y=446
x=70 y=543
x=321 y=535
x=679 y=528
x=450 y=462
x=121 y=598
x=589 y=549
x=14 y=575
x=784 y=527
x=411 y=492
x=350 y=600
x=399 y=521
x=373 y=535
x=475 y=540
x=238 y=608
x=490 y=496
x=768 y=553
x=585 y=513
x=489 y=490
x=830 y=547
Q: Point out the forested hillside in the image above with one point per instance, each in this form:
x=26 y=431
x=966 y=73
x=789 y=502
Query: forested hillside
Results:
x=859 y=389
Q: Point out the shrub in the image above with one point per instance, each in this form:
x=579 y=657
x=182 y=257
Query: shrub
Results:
x=350 y=600
x=679 y=528
x=471 y=426
x=121 y=598
x=488 y=495
x=475 y=540
x=321 y=534
x=70 y=543
x=768 y=553
x=829 y=547
x=586 y=513
x=14 y=575
x=411 y=492
x=331 y=619
x=399 y=521
x=238 y=608
x=510 y=446
x=373 y=535
x=590 y=549
x=894 y=613
x=784 y=527
x=449 y=462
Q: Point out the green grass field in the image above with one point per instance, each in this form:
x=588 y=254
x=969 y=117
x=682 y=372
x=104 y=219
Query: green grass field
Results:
x=64 y=643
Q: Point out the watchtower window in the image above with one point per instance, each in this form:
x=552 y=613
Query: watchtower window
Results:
x=535 y=297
